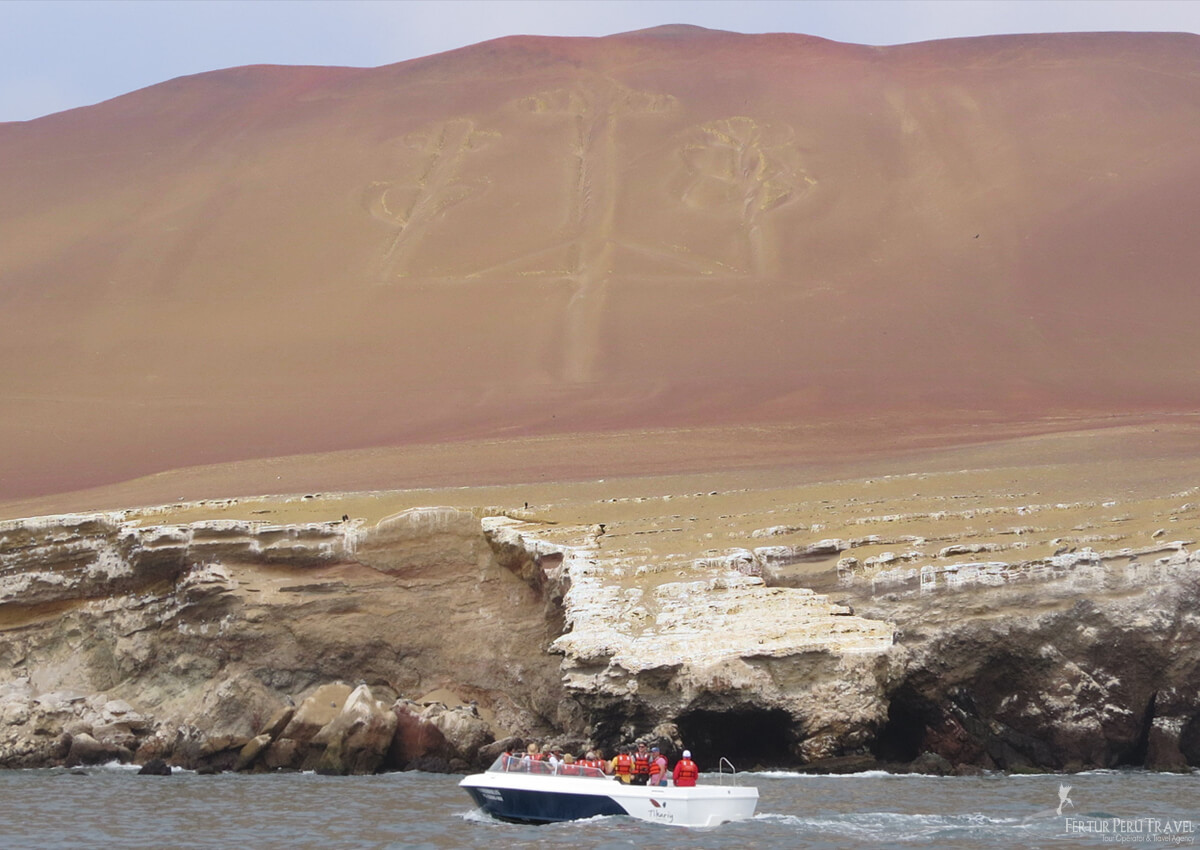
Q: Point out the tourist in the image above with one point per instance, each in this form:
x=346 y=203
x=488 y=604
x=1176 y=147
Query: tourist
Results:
x=622 y=766
x=686 y=771
x=658 y=767
x=534 y=758
x=641 y=766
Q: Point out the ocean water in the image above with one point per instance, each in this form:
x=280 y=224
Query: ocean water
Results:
x=113 y=807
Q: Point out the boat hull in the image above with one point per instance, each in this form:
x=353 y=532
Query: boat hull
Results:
x=524 y=798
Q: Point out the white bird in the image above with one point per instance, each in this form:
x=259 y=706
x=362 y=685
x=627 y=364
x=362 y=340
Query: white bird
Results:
x=1064 y=797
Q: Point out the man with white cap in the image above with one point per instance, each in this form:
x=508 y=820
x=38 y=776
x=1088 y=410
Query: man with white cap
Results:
x=685 y=772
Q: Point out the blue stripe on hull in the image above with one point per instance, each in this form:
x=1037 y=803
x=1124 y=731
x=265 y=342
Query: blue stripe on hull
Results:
x=542 y=806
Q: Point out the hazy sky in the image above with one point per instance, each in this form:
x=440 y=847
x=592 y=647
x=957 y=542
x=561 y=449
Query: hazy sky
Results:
x=59 y=54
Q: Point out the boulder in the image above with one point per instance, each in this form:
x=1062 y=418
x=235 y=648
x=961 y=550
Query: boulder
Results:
x=278 y=722
x=931 y=764
x=488 y=753
x=250 y=752
x=316 y=711
x=464 y=730
x=155 y=767
x=283 y=754
x=357 y=739
x=416 y=739
x=87 y=750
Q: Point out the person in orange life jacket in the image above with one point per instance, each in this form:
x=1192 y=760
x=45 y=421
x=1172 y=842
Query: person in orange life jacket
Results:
x=641 y=766
x=685 y=772
x=622 y=766
x=658 y=767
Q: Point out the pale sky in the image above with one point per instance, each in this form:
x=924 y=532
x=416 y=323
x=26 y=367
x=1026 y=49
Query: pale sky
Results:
x=60 y=54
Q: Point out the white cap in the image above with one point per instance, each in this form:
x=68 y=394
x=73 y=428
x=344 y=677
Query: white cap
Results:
x=687 y=754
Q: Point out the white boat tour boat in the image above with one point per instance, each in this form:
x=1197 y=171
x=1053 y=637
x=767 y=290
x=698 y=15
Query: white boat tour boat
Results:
x=520 y=790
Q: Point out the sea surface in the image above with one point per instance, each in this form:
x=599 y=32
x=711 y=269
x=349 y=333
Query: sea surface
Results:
x=113 y=807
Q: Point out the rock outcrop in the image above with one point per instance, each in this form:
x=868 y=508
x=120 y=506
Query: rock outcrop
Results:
x=209 y=628
x=230 y=645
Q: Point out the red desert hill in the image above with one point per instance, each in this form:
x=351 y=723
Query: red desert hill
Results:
x=663 y=229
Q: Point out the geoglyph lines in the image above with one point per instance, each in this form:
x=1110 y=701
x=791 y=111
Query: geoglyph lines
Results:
x=436 y=156
x=741 y=168
x=733 y=168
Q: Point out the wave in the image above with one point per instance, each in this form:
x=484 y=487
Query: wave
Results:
x=899 y=827
x=865 y=774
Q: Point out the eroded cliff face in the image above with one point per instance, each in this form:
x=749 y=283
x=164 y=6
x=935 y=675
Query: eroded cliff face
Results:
x=816 y=628
x=182 y=640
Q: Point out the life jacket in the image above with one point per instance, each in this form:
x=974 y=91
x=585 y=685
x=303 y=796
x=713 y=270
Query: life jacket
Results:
x=686 y=772
x=641 y=764
x=624 y=766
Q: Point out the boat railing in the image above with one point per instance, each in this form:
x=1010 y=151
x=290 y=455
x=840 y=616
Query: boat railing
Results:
x=721 y=765
x=521 y=763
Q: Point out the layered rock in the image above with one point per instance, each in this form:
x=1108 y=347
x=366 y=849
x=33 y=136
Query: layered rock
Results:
x=209 y=627
x=229 y=644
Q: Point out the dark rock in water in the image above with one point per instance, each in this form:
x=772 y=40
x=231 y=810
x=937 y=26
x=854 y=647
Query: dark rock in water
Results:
x=328 y=771
x=155 y=767
x=78 y=772
x=430 y=764
x=87 y=750
x=932 y=764
x=840 y=765
x=207 y=770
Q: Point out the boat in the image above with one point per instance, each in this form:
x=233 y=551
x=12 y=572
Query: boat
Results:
x=519 y=790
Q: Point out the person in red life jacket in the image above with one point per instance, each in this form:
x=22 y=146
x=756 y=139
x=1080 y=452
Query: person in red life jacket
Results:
x=658 y=767
x=622 y=766
x=685 y=772
x=534 y=760
x=569 y=766
x=641 y=766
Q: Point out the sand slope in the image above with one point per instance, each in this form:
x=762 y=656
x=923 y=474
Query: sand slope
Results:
x=536 y=237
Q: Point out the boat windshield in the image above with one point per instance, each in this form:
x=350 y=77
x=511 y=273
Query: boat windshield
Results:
x=509 y=763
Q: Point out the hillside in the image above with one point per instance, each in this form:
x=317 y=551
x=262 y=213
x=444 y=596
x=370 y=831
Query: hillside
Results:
x=649 y=233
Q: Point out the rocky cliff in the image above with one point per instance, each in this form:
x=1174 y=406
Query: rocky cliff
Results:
x=801 y=627
x=183 y=640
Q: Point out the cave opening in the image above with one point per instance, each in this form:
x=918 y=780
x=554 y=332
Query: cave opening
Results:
x=1135 y=755
x=902 y=736
x=749 y=737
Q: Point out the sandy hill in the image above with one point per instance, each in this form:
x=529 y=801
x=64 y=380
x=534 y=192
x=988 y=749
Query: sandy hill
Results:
x=660 y=232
